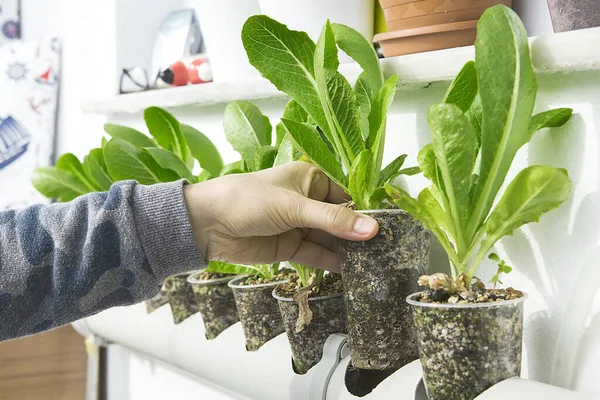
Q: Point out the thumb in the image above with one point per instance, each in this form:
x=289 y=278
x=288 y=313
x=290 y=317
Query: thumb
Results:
x=334 y=219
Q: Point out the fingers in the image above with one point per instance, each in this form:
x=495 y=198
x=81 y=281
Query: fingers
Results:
x=333 y=219
x=336 y=194
x=316 y=256
x=317 y=186
x=321 y=238
x=308 y=180
x=290 y=246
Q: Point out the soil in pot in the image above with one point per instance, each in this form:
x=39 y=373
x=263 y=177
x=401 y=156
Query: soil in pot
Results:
x=215 y=301
x=157 y=301
x=468 y=343
x=257 y=309
x=425 y=25
x=326 y=303
x=181 y=297
x=377 y=276
x=569 y=15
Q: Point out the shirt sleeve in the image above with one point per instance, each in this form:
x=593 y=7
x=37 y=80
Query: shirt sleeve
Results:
x=63 y=262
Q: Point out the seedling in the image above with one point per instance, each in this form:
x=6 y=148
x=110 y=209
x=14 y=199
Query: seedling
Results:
x=503 y=268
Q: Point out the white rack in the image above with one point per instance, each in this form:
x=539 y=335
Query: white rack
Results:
x=555 y=53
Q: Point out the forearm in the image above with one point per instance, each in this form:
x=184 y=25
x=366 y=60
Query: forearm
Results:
x=63 y=262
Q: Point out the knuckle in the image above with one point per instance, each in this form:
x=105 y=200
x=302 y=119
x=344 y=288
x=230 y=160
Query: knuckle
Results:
x=336 y=215
x=315 y=183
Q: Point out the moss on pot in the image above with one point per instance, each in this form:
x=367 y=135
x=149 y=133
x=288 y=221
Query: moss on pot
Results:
x=157 y=301
x=181 y=297
x=215 y=301
x=258 y=311
x=377 y=276
x=467 y=348
x=328 y=317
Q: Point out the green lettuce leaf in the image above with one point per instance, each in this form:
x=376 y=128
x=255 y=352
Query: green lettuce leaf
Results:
x=203 y=150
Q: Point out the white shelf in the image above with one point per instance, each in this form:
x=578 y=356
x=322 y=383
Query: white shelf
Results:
x=564 y=52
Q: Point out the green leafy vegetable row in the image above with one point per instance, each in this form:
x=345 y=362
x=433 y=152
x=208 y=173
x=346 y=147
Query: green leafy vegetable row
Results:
x=167 y=156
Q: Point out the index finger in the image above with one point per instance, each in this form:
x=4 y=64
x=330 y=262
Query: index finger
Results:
x=336 y=194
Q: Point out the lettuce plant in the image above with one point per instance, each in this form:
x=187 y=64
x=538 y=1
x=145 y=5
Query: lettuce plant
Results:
x=165 y=157
x=308 y=276
x=263 y=271
x=344 y=130
x=250 y=133
x=486 y=117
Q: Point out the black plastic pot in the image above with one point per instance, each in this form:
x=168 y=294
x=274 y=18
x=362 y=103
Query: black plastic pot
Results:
x=181 y=297
x=157 y=301
x=570 y=15
x=467 y=348
x=329 y=317
x=258 y=312
x=377 y=277
x=215 y=303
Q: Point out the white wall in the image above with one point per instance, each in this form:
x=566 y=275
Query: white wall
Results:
x=137 y=23
x=133 y=376
x=87 y=31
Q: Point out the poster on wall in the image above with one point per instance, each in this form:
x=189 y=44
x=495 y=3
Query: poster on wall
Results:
x=10 y=20
x=29 y=74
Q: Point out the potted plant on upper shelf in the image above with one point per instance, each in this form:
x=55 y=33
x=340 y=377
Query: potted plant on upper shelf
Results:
x=345 y=138
x=470 y=337
x=131 y=155
x=417 y=26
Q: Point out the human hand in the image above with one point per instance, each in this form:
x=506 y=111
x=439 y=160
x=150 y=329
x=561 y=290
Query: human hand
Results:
x=287 y=213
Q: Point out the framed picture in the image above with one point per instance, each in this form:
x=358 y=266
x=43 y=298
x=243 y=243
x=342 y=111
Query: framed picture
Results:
x=10 y=20
x=29 y=82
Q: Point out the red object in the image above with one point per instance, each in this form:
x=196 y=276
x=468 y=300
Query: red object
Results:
x=181 y=75
x=187 y=71
x=45 y=76
x=195 y=78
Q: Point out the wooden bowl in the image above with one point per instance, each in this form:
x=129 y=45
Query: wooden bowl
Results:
x=429 y=38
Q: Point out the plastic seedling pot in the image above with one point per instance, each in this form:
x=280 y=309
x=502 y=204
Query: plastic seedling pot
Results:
x=377 y=276
x=329 y=317
x=258 y=312
x=157 y=301
x=215 y=303
x=181 y=297
x=467 y=348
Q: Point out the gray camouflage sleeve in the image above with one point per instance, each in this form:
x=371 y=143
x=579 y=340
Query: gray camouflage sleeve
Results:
x=63 y=262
